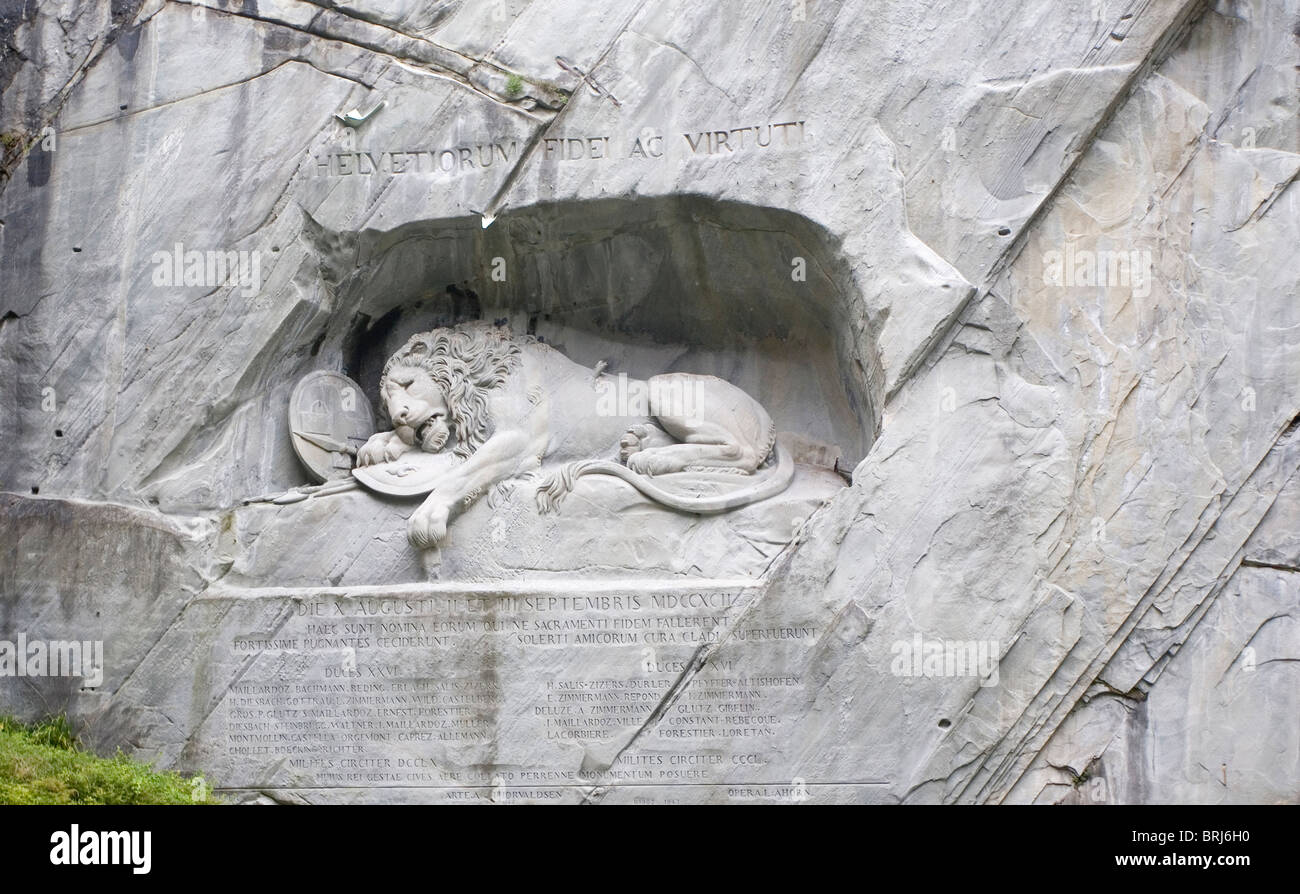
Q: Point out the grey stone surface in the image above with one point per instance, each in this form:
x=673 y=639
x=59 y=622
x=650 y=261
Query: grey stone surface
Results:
x=1025 y=271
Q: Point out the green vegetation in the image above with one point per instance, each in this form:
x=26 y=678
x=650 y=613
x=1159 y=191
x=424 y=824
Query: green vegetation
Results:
x=44 y=764
x=514 y=85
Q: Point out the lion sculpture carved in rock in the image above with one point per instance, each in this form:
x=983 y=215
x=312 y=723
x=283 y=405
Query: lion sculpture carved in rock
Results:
x=507 y=405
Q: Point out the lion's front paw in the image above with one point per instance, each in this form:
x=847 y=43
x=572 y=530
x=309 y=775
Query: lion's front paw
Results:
x=372 y=451
x=395 y=448
x=381 y=448
x=427 y=527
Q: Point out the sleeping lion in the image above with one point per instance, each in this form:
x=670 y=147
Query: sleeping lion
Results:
x=506 y=405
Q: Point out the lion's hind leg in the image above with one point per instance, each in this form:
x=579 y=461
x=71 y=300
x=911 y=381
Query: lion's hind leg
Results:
x=642 y=437
x=703 y=450
x=718 y=426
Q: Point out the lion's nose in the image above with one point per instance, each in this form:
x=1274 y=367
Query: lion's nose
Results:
x=401 y=415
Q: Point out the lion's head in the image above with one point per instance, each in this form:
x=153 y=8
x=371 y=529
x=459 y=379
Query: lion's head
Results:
x=438 y=382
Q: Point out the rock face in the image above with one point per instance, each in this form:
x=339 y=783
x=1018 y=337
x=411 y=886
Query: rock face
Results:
x=1017 y=281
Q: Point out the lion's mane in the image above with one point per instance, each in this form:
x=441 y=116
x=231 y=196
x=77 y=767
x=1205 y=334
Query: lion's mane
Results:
x=466 y=362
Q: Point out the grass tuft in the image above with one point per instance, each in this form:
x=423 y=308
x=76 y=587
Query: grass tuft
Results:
x=42 y=763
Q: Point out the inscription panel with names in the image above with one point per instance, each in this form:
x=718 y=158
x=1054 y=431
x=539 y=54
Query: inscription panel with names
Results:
x=488 y=696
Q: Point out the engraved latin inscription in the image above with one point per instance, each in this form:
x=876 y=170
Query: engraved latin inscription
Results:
x=492 y=152
x=370 y=691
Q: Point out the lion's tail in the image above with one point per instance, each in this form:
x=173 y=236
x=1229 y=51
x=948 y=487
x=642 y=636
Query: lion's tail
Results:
x=559 y=484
